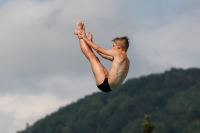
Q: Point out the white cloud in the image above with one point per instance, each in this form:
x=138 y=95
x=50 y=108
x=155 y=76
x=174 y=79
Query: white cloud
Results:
x=175 y=44
x=72 y=88
x=37 y=40
x=42 y=67
x=17 y=110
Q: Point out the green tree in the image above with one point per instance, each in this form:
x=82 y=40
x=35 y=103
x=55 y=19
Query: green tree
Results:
x=147 y=125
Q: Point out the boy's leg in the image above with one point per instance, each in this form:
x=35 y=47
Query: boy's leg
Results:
x=90 y=37
x=97 y=67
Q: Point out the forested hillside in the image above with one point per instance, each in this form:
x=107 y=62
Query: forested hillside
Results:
x=172 y=98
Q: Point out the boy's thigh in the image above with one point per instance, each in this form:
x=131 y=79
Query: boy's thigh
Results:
x=98 y=70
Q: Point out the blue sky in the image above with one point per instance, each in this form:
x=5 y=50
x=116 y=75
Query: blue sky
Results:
x=160 y=12
x=3 y=2
x=42 y=67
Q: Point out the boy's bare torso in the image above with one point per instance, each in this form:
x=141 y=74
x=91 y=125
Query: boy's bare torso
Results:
x=119 y=69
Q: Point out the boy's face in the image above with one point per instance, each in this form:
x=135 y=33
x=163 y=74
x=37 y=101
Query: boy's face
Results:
x=114 y=45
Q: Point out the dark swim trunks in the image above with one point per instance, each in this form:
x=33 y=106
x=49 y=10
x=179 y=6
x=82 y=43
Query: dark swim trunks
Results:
x=104 y=86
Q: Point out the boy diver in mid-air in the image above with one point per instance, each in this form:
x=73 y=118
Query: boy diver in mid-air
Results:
x=105 y=81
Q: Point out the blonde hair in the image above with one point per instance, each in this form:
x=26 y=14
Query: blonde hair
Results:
x=122 y=41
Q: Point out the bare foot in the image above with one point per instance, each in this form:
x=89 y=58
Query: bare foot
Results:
x=79 y=26
x=90 y=37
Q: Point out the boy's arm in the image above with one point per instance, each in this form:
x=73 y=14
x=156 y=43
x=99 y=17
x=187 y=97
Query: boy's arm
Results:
x=106 y=56
x=97 y=48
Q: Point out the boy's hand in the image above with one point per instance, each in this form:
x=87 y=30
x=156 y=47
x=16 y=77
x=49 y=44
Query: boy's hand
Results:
x=82 y=34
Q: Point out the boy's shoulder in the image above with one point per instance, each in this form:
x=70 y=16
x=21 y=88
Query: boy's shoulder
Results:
x=120 y=54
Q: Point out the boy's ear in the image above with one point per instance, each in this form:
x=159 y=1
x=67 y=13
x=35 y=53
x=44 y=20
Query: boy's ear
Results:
x=118 y=46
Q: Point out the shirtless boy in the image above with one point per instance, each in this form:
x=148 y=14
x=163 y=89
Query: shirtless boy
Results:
x=105 y=81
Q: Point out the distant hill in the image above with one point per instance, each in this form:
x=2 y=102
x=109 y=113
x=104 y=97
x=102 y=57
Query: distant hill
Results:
x=172 y=98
